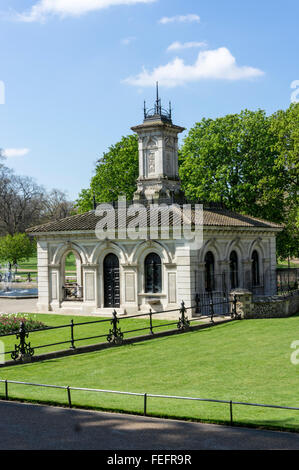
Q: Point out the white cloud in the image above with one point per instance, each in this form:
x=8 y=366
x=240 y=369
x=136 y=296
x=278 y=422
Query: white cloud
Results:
x=180 y=19
x=217 y=64
x=64 y=8
x=128 y=41
x=178 y=46
x=11 y=153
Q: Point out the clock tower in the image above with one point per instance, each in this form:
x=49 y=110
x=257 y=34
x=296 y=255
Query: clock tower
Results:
x=158 y=156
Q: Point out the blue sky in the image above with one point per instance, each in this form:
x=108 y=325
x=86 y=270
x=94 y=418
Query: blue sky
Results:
x=76 y=72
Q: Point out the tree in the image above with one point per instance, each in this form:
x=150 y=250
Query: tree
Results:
x=250 y=162
x=231 y=159
x=57 y=206
x=16 y=248
x=23 y=203
x=285 y=126
x=115 y=174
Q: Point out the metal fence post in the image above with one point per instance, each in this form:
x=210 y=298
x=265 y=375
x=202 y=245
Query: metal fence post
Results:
x=231 y=413
x=115 y=335
x=23 y=349
x=151 y=321
x=183 y=323
x=145 y=404
x=197 y=303
x=6 y=390
x=72 y=335
x=212 y=310
x=69 y=396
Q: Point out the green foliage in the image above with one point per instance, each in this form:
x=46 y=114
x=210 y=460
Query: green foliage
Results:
x=115 y=174
x=230 y=159
x=10 y=323
x=285 y=126
x=15 y=248
x=249 y=161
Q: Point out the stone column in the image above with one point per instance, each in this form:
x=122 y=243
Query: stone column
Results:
x=55 y=287
x=186 y=260
x=268 y=277
x=200 y=281
x=89 y=287
x=43 y=303
x=130 y=301
x=246 y=268
x=223 y=277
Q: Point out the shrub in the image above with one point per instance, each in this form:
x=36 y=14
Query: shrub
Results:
x=10 y=323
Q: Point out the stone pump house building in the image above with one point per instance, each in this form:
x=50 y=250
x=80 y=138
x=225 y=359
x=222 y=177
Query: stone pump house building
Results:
x=131 y=274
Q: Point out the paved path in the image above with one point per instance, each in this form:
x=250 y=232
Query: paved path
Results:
x=18 y=305
x=33 y=427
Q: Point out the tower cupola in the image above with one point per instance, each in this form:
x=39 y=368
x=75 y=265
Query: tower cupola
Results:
x=158 y=155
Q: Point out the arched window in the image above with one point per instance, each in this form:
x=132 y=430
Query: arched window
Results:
x=153 y=273
x=255 y=269
x=209 y=272
x=233 y=269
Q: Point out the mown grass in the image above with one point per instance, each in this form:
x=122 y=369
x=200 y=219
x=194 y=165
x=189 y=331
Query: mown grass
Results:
x=285 y=264
x=96 y=331
x=30 y=265
x=241 y=361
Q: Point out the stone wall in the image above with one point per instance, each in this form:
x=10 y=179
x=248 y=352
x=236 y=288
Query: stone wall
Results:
x=266 y=306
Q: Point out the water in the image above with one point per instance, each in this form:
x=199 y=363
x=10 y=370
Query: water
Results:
x=7 y=287
x=18 y=292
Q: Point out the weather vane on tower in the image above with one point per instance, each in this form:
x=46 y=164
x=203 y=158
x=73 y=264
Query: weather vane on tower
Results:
x=158 y=112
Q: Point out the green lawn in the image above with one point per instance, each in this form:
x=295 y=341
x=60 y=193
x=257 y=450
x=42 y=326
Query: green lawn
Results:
x=31 y=264
x=285 y=264
x=53 y=336
x=245 y=360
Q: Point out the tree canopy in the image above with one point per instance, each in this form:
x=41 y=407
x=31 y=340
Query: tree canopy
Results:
x=249 y=161
x=115 y=174
x=16 y=248
x=24 y=203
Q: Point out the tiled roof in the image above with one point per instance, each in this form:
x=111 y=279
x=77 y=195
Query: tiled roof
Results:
x=211 y=217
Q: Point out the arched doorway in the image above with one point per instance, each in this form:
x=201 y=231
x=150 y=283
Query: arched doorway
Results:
x=72 y=276
x=153 y=274
x=111 y=281
x=233 y=270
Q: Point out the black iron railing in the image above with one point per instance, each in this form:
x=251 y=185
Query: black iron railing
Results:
x=287 y=280
x=204 y=310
